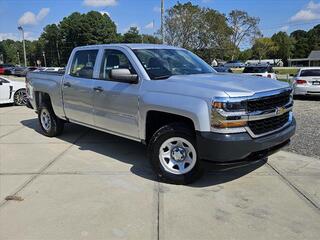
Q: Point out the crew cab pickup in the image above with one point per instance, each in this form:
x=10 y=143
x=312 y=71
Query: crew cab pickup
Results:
x=169 y=99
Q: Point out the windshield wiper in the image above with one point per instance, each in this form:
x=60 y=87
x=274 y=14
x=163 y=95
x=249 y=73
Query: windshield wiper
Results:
x=161 y=77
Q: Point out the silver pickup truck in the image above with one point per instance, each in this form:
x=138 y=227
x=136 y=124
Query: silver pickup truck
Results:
x=170 y=100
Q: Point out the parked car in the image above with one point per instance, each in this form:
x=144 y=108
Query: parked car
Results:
x=22 y=71
x=6 y=69
x=170 y=100
x=48 y=69
x=234 y=64
x=223 y=69
x=12 y=92
x=307 y=81
x=260 y=70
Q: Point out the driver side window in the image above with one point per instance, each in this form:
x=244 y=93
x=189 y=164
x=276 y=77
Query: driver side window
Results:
x=114 y=59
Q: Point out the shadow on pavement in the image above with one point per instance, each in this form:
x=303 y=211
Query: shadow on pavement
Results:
x=134 y=153
x=307 y=98
x=6 y=105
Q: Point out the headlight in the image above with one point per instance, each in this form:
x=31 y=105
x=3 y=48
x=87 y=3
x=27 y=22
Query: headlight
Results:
x=228 y=115
x=231 y=106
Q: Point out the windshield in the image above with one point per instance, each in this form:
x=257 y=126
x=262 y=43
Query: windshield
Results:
x=257 y=70
x=310 y=73
x=163 y=63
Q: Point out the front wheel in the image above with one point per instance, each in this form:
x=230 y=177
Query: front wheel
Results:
x=173 y=154
x=50 y=124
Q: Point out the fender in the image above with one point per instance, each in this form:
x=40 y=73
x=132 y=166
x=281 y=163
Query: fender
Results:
x=190 y=107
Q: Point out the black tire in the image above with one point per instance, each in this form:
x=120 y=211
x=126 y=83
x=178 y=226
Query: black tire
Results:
x=20 y=97
x=56 y=125
x=175 y=130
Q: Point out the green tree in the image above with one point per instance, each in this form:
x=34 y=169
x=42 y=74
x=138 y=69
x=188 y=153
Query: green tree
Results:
x=9 y=49
x=202 y=30
x=84 y=29
x=284 y=45
x=51 y=39
x=313 y=36
x=132 y=36
x=244 y=28
x=300 y=41
x=245 y=55
x=146 y=38
x=264 y=47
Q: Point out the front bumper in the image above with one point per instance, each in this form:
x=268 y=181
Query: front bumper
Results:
x=232 y=147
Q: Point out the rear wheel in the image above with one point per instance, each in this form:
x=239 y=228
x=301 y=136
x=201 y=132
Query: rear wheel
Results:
x=50 y=124
x=20 y=97
x=173 y=154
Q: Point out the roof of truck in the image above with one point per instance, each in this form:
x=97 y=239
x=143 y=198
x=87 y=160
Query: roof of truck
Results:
x=134 y=46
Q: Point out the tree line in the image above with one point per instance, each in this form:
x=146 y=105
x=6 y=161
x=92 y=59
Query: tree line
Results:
x=57 y=40
x=205 y=31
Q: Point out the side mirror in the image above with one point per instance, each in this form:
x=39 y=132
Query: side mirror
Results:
x=123 y=75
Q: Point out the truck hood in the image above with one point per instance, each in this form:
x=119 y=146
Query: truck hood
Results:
x=234 y=85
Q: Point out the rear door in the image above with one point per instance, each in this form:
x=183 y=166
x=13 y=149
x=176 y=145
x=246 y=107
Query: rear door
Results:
x=116 y=103
x=77 y=87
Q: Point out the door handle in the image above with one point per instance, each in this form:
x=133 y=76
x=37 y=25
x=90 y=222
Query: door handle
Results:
x=67 y=84
x=98 y=89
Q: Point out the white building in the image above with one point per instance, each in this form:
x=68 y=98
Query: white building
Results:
x=272 y=62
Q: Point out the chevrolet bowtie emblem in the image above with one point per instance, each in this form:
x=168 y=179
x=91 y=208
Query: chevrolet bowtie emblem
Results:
x=279 y=111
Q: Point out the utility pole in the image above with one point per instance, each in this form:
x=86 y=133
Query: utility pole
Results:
x=58 y=53
x=44 y=58
x=24 y=45
x=162 y=21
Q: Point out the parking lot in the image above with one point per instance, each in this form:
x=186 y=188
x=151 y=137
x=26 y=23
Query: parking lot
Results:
x=307 y=138
x=91 y=185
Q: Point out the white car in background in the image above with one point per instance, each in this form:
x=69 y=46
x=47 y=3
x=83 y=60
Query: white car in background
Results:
x=12 y=92
x=260 y=70
x=48 y=69
x=307 y=81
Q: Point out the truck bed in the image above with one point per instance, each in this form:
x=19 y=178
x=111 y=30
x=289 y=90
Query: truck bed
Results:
x=47 y=82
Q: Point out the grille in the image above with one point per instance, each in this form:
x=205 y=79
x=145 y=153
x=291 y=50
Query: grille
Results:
x=270 y=102
x=267 y=125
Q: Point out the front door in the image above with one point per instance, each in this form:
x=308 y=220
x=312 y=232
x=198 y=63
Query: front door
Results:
x=116 y=103
x=78 y=87
x=5 y=91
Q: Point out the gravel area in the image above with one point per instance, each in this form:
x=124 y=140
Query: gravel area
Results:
x=307 y=138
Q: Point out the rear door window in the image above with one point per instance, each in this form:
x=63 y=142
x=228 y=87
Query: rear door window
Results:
x=83 y=63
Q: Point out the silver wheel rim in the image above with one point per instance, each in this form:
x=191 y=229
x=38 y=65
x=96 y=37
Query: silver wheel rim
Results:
x=20 y=98
x=177 y=156
x=45 y=119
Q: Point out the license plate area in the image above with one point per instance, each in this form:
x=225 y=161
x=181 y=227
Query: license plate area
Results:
x=316 y=83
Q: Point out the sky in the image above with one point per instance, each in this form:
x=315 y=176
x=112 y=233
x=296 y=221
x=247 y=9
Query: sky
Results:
x=34 y=15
